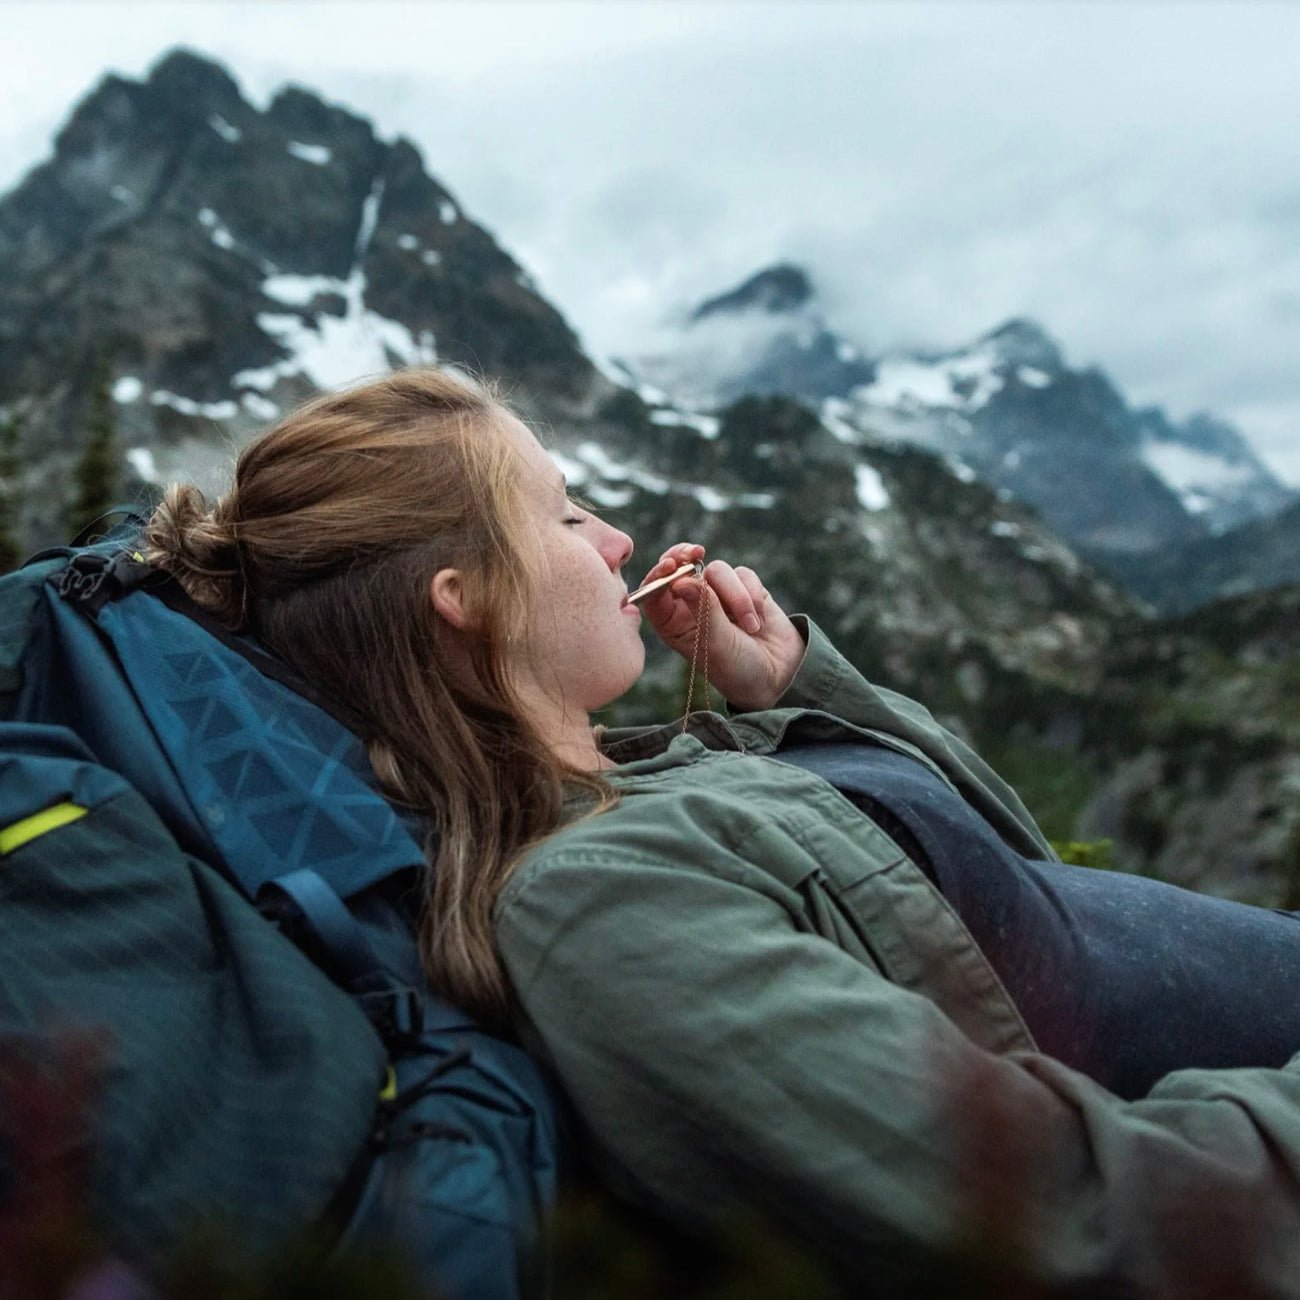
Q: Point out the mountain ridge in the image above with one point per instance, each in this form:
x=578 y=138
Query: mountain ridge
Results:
x=1119 y=482
x=226 y=262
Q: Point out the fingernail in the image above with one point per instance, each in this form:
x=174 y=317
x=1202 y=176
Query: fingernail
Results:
x=750 y=623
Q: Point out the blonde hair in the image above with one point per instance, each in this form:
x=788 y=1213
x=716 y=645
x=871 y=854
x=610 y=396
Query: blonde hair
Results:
x=325 y=547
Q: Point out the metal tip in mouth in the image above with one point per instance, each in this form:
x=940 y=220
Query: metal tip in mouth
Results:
x=693 y=570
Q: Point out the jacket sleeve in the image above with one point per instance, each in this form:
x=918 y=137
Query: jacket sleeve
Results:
x=826 y=682
x=718 y=1056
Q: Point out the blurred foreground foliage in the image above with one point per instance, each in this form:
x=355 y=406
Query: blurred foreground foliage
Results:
x=50 y=1249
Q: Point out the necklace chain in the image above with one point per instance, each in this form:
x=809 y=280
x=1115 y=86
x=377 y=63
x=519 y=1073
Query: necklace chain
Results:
x=701 y=634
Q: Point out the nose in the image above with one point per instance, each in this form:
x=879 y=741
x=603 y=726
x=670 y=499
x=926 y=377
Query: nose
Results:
x=617 y=548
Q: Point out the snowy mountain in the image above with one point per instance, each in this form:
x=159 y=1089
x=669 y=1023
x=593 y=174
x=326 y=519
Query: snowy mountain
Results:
x=227 y=263
x=1113 y=480
x=219 y=263
x=765 y=336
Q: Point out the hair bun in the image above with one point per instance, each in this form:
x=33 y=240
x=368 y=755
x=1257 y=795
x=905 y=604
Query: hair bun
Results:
x=198 y=546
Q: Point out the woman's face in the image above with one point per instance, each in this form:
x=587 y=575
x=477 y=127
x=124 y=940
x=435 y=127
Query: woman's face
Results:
x=584 y=643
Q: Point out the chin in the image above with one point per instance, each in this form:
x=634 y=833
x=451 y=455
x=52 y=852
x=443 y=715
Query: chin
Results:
x=616 y=691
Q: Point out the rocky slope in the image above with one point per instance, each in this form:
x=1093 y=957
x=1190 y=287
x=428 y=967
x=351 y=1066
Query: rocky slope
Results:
x=224 y=263
x=1254 y=556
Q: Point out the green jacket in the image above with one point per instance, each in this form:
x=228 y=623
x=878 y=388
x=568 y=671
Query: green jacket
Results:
x=753 y=997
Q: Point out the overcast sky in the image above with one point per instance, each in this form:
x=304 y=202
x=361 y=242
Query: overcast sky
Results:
x=1128 y=174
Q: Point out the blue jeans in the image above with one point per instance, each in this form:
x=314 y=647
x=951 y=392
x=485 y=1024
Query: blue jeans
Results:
x=1119 y=976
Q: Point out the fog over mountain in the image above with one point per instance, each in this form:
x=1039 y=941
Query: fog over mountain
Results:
x=1122 y=174
x=1119 y=482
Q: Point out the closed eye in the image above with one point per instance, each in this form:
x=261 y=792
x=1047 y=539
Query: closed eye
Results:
x=585 y=512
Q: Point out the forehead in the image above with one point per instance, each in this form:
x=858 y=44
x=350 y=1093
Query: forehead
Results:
x=540 y=471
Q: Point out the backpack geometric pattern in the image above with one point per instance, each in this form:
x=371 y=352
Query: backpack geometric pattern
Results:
x=237 y=776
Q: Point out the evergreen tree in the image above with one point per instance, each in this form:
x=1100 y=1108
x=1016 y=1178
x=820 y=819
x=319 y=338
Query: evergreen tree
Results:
x=10 y=475
x=96 y=479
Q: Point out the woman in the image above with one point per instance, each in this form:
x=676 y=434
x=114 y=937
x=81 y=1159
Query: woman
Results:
x=807 y=958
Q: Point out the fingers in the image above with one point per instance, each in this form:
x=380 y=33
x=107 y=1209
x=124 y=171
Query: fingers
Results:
x=738 y=590
x=673 y=558
x=753 y=585
x=740 y=593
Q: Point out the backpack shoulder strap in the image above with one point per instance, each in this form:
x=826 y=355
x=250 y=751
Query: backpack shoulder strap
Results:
x=249 y=770
x=320 y=923
x=20 y=598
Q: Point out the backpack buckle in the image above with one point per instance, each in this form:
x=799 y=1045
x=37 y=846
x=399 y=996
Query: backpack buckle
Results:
x=92 y=579
x=396 y=1014
x=83 y=578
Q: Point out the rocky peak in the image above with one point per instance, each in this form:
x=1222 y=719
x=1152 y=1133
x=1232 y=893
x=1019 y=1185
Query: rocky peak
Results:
x=776 y=290
x=1215 y=436
x=1022 y=342
x=193 y=83
x=224 y=263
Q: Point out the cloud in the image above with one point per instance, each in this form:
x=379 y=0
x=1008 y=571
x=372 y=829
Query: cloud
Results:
x=1124 y=173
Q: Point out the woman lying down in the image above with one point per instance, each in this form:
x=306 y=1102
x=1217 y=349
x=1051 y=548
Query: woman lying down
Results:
x=812 y=958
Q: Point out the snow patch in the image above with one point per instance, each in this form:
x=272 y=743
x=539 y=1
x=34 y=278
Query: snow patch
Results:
x=964 y=382
x=122 y=193
x=369 y=220
x=299 y=290
x=1004 y=528
x=408 y=242
x=259 y=407
x=590 y=460
x=611 y=497
x=651 y=395
x=316 y=154
x=594 y=455
x=225 y=410
x=127 y=389
x=1198 y=477
x=706 y=426
x=217 y=232
x=574 y=471
x=431 y=257
x=230 y=134
x=335 y=350
x=141 y=460
x=1033 y=377
x=447 y=212
x=712 y=500
x=846 y=352
x=833 y=417
x=870 y=487
x=961 y=471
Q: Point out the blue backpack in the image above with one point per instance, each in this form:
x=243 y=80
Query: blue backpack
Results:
x=252 y=818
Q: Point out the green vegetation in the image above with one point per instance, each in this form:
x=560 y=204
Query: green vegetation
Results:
x=1086 y=853
x=1054 y=784
x=97 y=475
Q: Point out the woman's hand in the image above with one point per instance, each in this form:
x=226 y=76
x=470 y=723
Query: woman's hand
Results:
x=754 y=649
